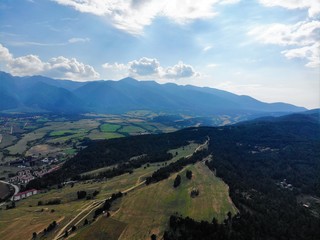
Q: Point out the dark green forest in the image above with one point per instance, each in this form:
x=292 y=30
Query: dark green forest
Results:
x=253 y=159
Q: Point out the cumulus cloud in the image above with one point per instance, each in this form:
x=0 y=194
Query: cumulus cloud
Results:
x=25 y=65
x=133 y=15
x=151 y=67
x=5 y=55
x=313 y=6
x=144 y=67
x=62 y=67
x=59 y=67
x=180 y=70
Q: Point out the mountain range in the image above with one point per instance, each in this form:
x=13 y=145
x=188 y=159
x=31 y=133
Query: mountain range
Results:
x=43 y=94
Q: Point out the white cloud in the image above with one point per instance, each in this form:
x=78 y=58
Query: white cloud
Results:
x=133 y=15
x=207 y=48
x=151 y=67
x=78 y=40
x=311 y=53
x=115 y=66
x=180 y=70
x=5 y=55
x=59 y=67
x=62 y=67
x=144 y=67
x=25 y=65
x=302 y=33
x=313 y=6
x=229 y=1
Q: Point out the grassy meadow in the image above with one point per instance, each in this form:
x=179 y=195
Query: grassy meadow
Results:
x=147 y=210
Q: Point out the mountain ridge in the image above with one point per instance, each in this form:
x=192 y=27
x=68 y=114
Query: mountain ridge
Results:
x=128 y=94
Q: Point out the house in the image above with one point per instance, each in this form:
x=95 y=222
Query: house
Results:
x=25 y=194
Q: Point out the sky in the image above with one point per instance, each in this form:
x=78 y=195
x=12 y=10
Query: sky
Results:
x=267 y=49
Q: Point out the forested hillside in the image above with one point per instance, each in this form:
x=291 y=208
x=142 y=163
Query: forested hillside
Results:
x=269 y=165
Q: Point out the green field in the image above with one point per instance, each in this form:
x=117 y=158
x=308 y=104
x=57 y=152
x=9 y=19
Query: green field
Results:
x=65 y=132
x=147 y=209
x=7 y=140
x=107 y=127
x=96 y=135
x=131 y=129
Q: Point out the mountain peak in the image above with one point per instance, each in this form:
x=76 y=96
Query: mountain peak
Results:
x=129 y=79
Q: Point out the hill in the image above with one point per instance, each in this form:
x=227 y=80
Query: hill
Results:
x=270 y=166
x=37 y=93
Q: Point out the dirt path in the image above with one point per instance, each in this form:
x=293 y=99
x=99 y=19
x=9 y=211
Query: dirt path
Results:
x=94 y=205
x=89 y=209
x=85 y=208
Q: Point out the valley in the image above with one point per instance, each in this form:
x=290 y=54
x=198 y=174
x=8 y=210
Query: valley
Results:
x=29 y=141
x=159 y=120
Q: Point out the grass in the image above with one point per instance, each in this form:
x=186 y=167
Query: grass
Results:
x=131 y=129
x=65 y=132
x=96 y=135
x=5 y=170
x=21 y=146
x=42 y=149
x=104 y=228
x=148 y=127
x=151 y=206
x=7 y=140
x=70 y=151
x=107 y=127
x=21 y=222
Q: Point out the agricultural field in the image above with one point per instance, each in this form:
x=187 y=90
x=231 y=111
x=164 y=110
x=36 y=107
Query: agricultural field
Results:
x=42 y=149
x=107 y=127
x=59 y=137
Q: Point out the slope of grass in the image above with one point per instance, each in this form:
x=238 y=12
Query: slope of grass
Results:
x=28 y=217
x=104 y=228
x=147 y=210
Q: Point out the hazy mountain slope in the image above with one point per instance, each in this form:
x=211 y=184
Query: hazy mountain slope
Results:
x=45 y=94
x=54 y=99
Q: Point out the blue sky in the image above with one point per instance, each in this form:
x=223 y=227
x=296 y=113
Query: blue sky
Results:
x=268 y=49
